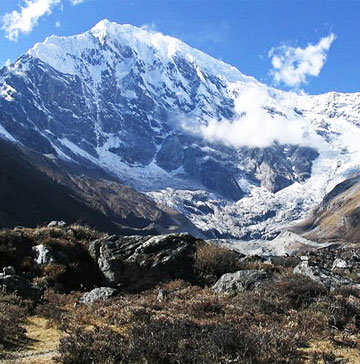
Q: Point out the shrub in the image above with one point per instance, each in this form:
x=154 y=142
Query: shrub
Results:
x=13 y=312
x=211 y=261
x=296 y=290
x=95 y=346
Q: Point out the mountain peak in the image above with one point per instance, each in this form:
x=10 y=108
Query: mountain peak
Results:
x=66 y=54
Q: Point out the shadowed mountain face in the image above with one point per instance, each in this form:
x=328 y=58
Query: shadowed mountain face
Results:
x=338 y=217
x=34 y=191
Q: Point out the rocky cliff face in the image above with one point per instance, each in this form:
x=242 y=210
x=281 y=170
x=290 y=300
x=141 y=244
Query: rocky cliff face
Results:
x=141 y=106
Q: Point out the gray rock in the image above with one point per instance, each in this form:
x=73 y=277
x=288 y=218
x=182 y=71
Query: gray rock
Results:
x=240 y=281
x=58 y=224
x=8 y=270
x=322 y=275
x=138 y=262
x=20 y=286
x=46 y=255
x=98 y=294
x=340 y=263
x=43 y=255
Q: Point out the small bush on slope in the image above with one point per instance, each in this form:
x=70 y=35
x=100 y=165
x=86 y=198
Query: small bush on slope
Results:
x=211 y=261
x=13 y=313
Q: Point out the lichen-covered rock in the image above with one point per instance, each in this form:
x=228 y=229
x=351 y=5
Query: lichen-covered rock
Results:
x=139 y=262
x=98 y=294
x=240 y=281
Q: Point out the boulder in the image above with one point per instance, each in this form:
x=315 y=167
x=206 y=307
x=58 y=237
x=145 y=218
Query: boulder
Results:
x=340 y=264
x=58 y=224
x=240 y=281
x=10 y=270
x=98 y=294
x=323 y=275
x=20 y=286
x=43 y=254
x=139 y=262
x=46 y=255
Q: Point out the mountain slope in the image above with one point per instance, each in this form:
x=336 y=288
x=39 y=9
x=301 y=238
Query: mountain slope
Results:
x=238 y=158
x=338 y=217
x=34 y=191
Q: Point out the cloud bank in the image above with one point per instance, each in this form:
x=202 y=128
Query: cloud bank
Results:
x=259 y=123
x=292 y=66
x=24 y=20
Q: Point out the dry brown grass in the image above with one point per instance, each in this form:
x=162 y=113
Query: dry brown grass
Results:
x=40 y=347
x=318 y=347
x=211 y=261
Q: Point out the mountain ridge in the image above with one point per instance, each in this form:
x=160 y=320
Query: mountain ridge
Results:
x=160 y=121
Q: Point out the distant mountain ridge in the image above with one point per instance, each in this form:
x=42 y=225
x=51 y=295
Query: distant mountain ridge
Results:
x=131 y=103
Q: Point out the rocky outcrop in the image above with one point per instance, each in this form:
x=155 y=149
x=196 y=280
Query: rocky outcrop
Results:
x=139 y=262
x=240 y=281
x=98 y=294
x=12 y=283
x=322 y=275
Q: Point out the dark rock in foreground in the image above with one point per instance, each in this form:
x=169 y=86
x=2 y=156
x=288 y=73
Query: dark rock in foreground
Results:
x=140 y=262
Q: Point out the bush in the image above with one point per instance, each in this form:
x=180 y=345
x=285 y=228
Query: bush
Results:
x=96 y=346
x=13 y=312
x=192 y=326
x=211 y=261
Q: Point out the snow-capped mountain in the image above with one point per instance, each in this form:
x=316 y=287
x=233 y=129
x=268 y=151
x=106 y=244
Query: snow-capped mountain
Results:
x=238 y=158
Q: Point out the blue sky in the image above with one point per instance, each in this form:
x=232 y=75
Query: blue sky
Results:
x=318 y=40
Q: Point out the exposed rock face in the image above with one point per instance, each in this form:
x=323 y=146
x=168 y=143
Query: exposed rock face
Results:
x=138 y=262
x=240 y=281
x=98 y=294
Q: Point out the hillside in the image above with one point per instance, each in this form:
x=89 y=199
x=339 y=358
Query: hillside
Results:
x=33 y=191
x=338 y=216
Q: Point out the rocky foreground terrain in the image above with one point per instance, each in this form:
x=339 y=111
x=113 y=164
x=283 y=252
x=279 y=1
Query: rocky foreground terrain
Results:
x=75 y=295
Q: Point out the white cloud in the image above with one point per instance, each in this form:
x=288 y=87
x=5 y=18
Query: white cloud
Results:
x=77 y=2
x=26 y=19
x=292 y=66
x=254 y=126
x=58 y=24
